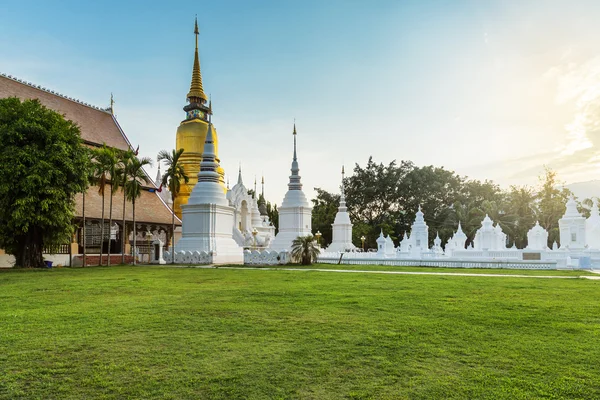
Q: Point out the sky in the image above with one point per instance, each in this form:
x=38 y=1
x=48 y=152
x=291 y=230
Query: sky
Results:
x=489 y=89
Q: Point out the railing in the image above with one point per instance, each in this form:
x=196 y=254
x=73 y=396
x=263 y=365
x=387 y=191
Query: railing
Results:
x=57 y=249
x=449 y=263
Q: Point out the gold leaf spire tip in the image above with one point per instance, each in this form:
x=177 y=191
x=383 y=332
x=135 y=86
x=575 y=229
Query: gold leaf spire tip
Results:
x=196 y=91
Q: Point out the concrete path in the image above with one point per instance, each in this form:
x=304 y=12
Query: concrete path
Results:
x=397 y=272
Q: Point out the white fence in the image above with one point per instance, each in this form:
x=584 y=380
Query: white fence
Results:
x=351 y=259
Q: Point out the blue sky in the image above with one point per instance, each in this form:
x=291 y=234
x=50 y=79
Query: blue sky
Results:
x=488 y=89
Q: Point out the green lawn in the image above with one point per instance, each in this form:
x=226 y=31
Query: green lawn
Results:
x=186 y=333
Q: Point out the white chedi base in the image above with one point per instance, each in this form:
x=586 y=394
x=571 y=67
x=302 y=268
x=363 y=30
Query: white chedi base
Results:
x=207 y=223
x=295 y=219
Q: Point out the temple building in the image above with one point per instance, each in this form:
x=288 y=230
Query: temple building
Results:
x=191 y=134
x=295 y=213
x=99 y=126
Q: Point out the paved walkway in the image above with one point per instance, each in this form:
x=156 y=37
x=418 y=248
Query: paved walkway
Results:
x=401 y=272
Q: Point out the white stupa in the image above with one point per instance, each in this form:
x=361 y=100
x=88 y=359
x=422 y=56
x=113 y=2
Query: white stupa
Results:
x=342 y=227
x=537 y=238
x=295 y=213
x=592 y=227
x=572 y=227
x=419 y=233
x=459 y=238
x=207 y=217
x=489 y=237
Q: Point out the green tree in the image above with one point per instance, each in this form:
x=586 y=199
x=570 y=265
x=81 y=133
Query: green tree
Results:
x=104 y=160
x=304 y=250
x=172 y=178
x=522 y=206
x=551 y=203
x=125 y=158
x=135 y=179
x=325 y=207
x=273 y=214
x=43 y=164
x=115 y=176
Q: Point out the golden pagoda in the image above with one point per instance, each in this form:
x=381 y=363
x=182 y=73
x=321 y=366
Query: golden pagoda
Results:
x=191 y=133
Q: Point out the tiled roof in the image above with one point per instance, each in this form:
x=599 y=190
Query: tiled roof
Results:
x=149 y=208
x=97 y=126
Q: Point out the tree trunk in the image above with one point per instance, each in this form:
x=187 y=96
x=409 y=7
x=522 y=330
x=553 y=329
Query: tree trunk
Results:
x=134 y=233
x=110 y=222
x=30 y=253
x=124 y=234
x=102 y=231
x=173 y=230
x=83 y=232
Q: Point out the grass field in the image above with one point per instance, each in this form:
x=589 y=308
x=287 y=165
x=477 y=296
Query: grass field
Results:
x=185 y=333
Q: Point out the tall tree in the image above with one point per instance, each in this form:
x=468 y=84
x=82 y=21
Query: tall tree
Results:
x=136 y=178
x=552 y=198
x=114 y=164
x=125 y=158
x=325 y=207
x=521 y=205
x=43 y=164
x=103 y=161
x=172 y=178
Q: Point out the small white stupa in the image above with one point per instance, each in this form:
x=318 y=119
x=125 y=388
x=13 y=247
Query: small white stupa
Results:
x=537 y=238
x=419 y=233
x=489 y=237
x=592 y=227
x=437 y=245
x=572 y=227
x=390 y=249
x=342 y=226
x=295 y=213
x=381 y=245
x=207 y=217
x=459 y=238
x=405 y=243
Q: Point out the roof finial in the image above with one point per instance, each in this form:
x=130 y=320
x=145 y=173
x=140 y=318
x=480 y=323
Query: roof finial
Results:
x=209 y=105
x=262 y=182
x=294 y=133
x=240 y=174
x=255 y=194
x=295 y=177
x=112 y=104
x=196 y=93
x=342 y=206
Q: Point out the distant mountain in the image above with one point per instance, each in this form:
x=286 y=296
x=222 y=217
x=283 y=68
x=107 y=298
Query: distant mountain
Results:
x=585 y=190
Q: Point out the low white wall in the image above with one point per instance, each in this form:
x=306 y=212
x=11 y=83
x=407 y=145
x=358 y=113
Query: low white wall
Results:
x=266 y=257
x=6 y=261
x=348 y=259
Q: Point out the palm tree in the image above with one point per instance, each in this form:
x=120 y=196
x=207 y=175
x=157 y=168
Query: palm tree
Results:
x=304 y=250
x=122 y=173
x=102 y=165
x=133 y=186
x=91 y=181
x=173 y=177
x=113 y=160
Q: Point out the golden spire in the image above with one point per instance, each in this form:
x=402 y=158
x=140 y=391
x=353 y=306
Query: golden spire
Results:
x=196 y=90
